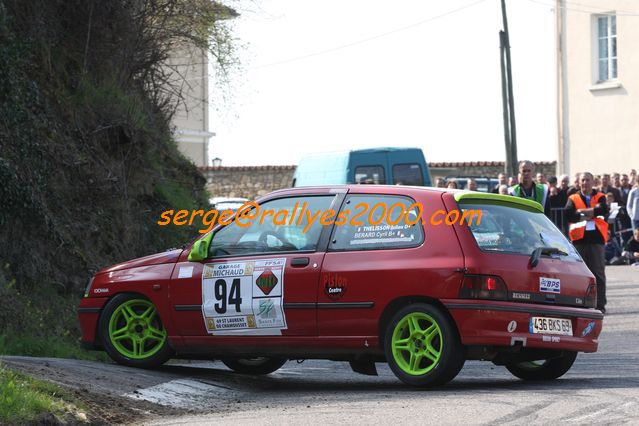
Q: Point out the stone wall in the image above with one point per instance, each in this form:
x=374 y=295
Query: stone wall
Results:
x=482 y=168
x=253 y=181
x=247 y=181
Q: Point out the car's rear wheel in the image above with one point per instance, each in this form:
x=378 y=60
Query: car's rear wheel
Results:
x=132 y=333
x=547 y=369
x=422 y=346
x=255 y=366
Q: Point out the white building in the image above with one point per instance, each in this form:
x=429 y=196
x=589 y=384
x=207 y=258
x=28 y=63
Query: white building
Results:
x=190 y=68
x=598 y=90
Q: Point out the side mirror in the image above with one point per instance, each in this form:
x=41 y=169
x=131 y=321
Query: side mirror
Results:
x=200 y=250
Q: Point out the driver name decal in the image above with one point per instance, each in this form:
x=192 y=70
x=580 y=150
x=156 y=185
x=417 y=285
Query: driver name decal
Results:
x=244 y=297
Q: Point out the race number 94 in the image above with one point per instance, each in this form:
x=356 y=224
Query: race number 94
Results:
x=226 y=296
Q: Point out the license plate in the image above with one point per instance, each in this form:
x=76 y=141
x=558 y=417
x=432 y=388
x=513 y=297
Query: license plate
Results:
x=544 y=325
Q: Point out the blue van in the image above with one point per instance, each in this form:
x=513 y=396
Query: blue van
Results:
x=383 y=166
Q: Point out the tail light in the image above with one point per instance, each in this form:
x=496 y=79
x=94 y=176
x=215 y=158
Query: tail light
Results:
x=483 y=287
x=590 y=301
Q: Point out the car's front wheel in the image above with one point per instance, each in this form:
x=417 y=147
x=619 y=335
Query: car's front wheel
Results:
x=547 y=369
x=255 y=366
x=132 y=333
x=422 y=346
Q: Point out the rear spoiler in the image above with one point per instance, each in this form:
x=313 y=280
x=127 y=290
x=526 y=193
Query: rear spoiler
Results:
x=473 y=195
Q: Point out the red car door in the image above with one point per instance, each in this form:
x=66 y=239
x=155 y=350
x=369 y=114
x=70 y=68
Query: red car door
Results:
x=362 y=265
x=257 y=295
x=270 y=290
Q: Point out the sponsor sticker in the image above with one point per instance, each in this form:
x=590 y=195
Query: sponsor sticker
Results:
x=334 y=285
x=588 y=329
x=244 y=297
x=549 y=285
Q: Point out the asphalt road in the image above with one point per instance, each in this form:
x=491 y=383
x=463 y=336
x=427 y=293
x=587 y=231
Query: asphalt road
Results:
x=601 y=388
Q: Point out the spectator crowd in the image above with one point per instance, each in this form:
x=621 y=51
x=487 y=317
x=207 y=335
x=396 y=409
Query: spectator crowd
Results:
x=621 y=192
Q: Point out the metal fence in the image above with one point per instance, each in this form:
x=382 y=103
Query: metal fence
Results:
x=558 y=216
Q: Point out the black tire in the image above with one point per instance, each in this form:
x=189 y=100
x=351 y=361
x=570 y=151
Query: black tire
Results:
x=158 y=350
x=445 y=343
x=548 y=369
x=257 y=366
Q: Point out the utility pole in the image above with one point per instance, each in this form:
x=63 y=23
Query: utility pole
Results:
x=510 y=129
x=504 y=100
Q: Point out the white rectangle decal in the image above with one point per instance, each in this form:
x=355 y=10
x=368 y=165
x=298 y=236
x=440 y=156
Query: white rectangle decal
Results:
x=185 y=272
x=245 y=297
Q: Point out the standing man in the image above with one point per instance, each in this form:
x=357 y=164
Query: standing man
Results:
x=632 y=206
x=625 y=188
x=616 y=180
x=606 y=187
x=564 y=184
x=529 y=189
x=574 y=189
x=588 y=231
x=440 y=183
x=541 y=178
x=502 y=180
x=471 y=184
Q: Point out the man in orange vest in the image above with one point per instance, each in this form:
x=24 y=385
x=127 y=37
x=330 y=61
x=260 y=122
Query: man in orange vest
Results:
x=586 y=211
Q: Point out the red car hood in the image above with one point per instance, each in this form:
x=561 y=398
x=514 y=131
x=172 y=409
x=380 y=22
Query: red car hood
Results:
x=170 y=256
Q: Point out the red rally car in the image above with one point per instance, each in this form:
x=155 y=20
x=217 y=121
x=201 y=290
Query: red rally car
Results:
x=396 y=279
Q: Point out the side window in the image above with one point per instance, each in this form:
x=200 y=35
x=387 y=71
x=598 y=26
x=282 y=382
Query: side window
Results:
x=408 y=174
x=280 y=225
x=374 y=222
x=370 y=175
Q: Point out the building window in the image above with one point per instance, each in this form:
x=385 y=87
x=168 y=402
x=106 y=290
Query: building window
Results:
x=607 y=47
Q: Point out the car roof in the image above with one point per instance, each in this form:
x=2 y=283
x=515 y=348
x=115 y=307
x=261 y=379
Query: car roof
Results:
x=458 y=194
x=216 y=200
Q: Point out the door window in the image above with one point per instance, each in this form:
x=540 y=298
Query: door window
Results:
x=281 y=225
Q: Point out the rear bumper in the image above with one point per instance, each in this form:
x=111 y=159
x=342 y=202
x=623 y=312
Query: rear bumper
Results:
x=490 y=323
x=88 y=315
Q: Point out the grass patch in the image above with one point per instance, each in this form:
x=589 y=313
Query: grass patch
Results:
x=23 y=399
x=42 y=323
x=26 y=345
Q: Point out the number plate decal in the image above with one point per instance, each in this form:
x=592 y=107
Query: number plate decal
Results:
x=244 y=297
x=544 y=325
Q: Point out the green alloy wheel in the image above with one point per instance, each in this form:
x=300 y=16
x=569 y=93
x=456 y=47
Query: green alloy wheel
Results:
x=417 y=343
x=422 y=346
x=132 y=332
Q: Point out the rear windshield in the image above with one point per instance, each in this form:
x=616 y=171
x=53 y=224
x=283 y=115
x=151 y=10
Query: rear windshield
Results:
x=512 y=229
